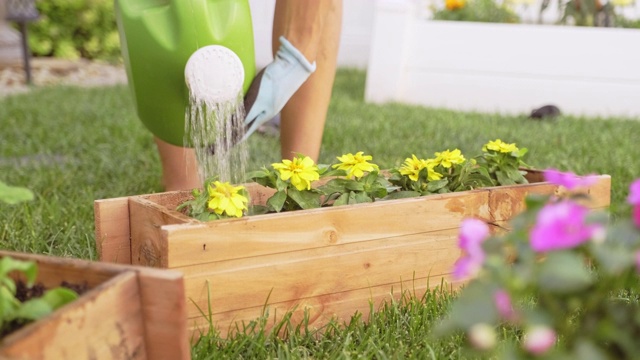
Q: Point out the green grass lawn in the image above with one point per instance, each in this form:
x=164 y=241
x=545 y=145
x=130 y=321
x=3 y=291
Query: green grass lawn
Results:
x=72 y=146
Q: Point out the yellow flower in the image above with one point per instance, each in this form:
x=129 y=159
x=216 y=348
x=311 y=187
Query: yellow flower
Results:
x=355 y=165
x=302 y=171
x=448 y=158
x=500 y=146
x=226 y=198
x=412 y=167
x=454 y=4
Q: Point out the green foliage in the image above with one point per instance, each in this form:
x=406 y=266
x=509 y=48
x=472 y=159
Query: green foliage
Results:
x=586 y=12
x=12 y=309
x=73 y=29
x=199 y=206
x=287 y=197
x=349 y=191
x=478 y=11
x=14 y=194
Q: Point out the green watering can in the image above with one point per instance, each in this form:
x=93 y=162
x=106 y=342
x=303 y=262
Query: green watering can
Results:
x=159 y=37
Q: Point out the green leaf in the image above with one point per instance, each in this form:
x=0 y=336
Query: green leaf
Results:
x=14 y=194
x=474 y=305
x=359 y=198
x=564 y=272
x=342 y=200
x=434 y=186
x=257 y=174
x=33 y=309
x=613 y=258
x=333 y=186
x=28 y=268
x=257 y=210
x=305 y=199
x=59 y=297
x=503 y=178
x=402 y=195
x=276 y=201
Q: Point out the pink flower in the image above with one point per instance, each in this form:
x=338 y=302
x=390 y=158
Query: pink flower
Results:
x=503 y=304
x=539 y=339
x=472 y=233
x=568 y=179
x=562 y=225
x=635 y=215
x=634 y=193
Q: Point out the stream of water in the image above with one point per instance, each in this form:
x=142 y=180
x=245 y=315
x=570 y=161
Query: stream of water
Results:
x=214 y=130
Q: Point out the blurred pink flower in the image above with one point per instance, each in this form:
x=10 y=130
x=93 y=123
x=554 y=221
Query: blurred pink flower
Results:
x=568 y=179
x=472 y=233
x=636 y=215
x=503 y=305
x=562 y=225
x=634 y=199
x=539 y=339
x=634 y=193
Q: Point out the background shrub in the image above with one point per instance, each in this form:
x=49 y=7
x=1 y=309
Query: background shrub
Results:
x=73 y=29
x=476 y=10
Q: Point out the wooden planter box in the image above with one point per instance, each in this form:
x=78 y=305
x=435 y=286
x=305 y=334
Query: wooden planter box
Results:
x=505 y=68
x=331 y=261
x=128 y=313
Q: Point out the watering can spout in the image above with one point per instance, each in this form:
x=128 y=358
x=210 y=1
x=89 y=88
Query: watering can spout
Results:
x=158 y=39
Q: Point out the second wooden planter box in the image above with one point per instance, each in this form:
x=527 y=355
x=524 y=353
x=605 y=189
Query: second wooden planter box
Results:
x=127 y=313
x=329 y=261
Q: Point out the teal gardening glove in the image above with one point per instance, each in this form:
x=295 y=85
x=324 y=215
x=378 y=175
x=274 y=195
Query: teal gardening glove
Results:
x=274 y=86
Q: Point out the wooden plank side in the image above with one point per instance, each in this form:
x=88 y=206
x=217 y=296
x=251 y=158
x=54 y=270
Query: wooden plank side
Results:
x=165 y=317
x=147 y=245
x=243 y=283
x=52 y=270
x=192 y=244
x=507 y=201
x=322 y=309
x=112 y=230
x=105 y=323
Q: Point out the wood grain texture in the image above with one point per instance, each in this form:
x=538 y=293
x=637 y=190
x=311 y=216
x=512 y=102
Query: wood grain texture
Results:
x=334 y=261
x=105 y=323
x=128 y=313
x=112 y=230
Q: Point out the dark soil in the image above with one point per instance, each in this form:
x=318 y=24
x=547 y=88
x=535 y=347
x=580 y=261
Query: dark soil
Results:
x=24 y=293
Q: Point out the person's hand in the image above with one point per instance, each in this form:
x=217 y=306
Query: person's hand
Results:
x=275 y=85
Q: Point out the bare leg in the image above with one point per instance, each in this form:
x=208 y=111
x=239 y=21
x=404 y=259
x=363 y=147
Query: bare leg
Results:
x=179 y=167
x=313 y=27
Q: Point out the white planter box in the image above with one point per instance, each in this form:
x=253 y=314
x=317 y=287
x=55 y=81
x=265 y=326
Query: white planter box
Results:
x=501 y=67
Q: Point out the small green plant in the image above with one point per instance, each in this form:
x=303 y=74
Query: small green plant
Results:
x=292 y=181
x=13 y=310
x=357 y=181
x=14 y=194
x=217 y=201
